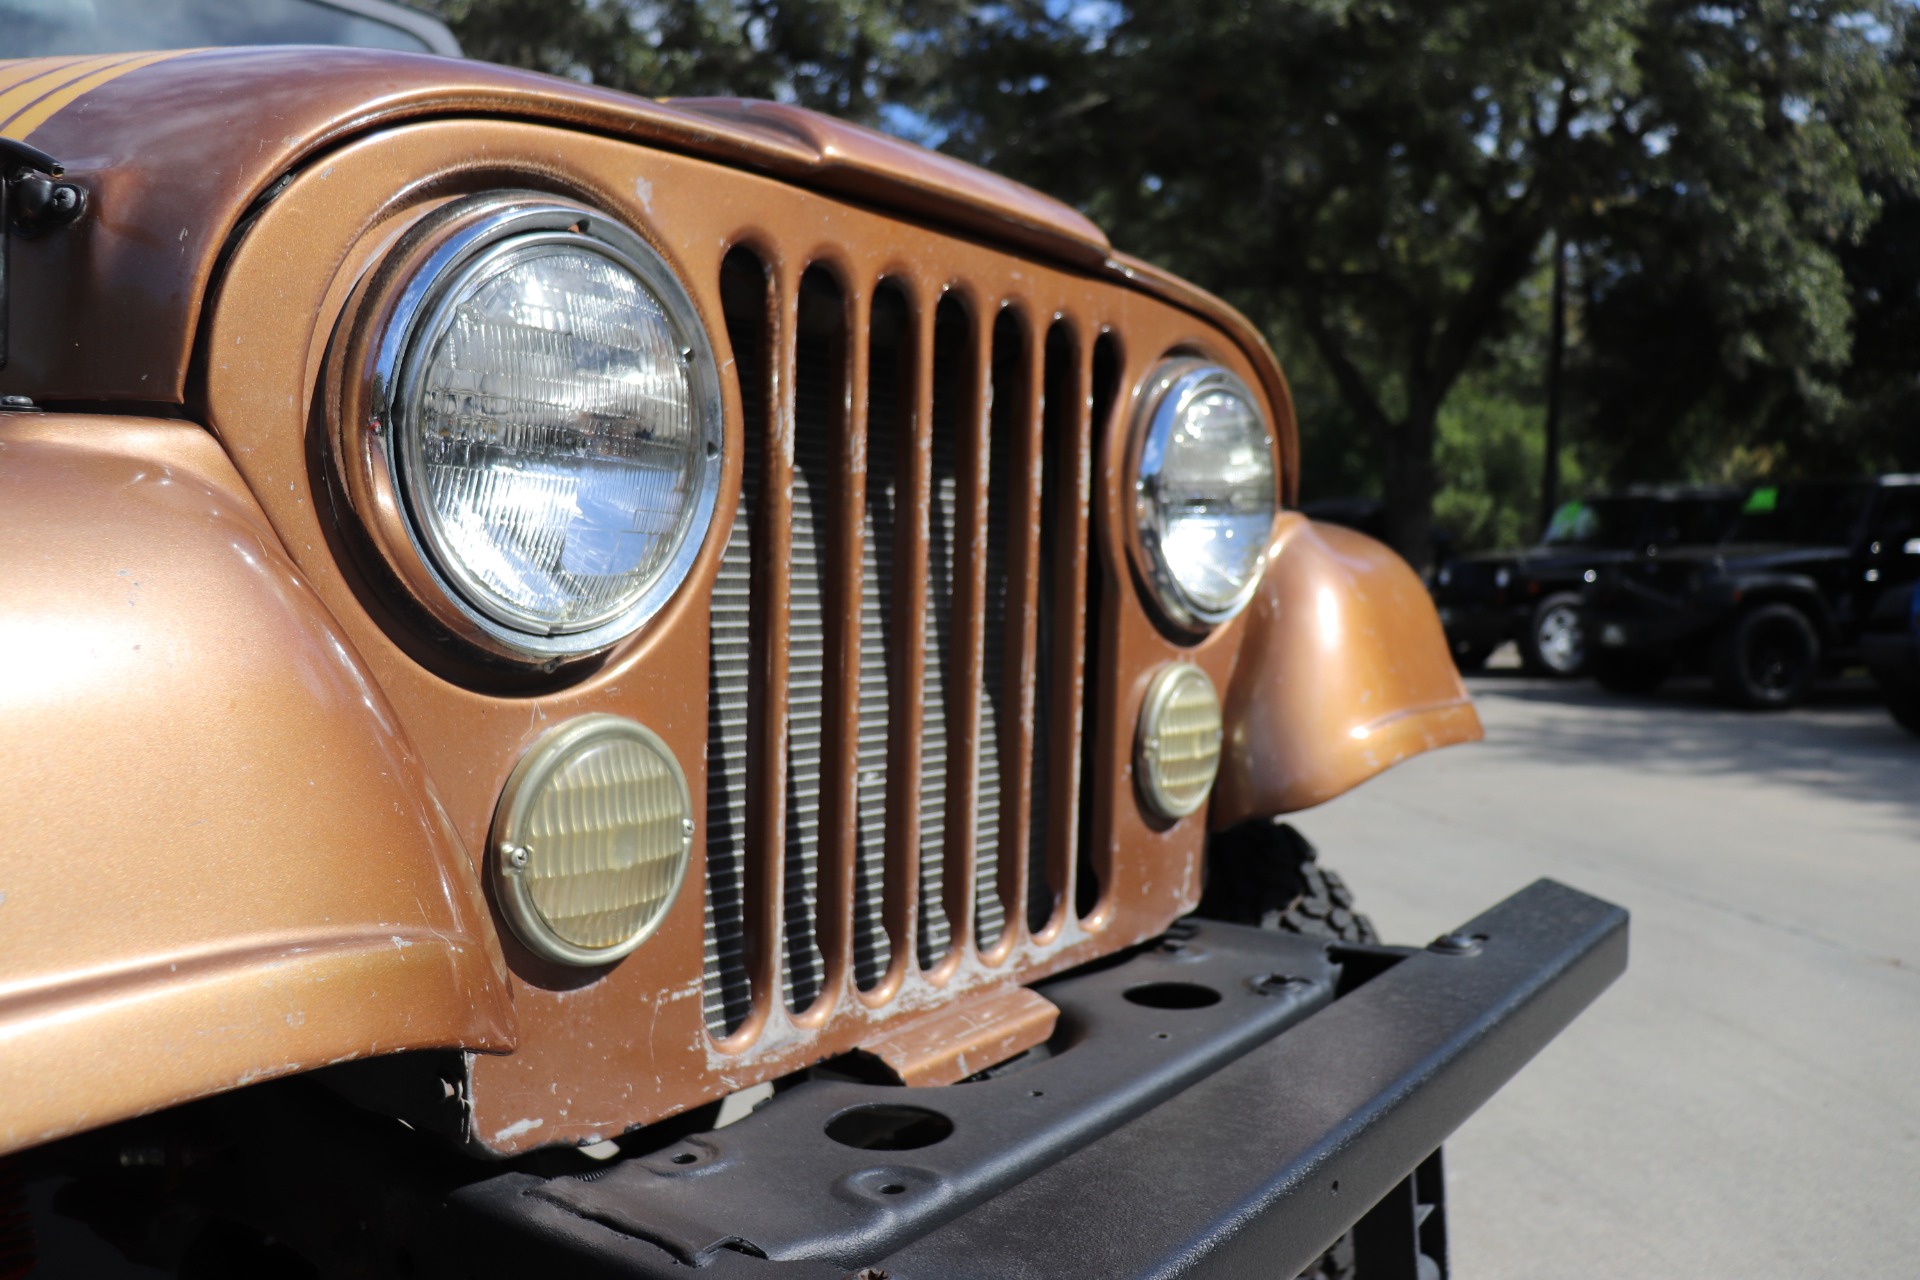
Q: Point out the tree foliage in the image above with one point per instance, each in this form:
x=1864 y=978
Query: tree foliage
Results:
x=853 y=58
x=1379 y=177
x=1374 y=182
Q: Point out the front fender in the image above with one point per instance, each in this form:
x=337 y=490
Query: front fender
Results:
x=226 y=861
x=1345 y=672
x=1796 y=589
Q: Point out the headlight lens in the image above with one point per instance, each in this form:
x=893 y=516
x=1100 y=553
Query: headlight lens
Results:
x=553 y=427
x=1205 y=492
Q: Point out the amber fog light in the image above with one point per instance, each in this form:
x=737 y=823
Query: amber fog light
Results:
x=1177 y=753
x=592 y=839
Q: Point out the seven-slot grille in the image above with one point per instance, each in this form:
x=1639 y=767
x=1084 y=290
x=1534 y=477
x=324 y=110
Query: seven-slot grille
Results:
x=899 y=638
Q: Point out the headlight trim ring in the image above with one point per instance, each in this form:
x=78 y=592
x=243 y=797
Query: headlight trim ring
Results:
x=400 y=310
x=1174 y=385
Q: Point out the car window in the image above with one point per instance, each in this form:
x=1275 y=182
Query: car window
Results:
x=1601 y=522
x=1685 y=522
x=1806 y=514
x=33 y=28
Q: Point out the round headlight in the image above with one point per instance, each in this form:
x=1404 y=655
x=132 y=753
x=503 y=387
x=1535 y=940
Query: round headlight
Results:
x=592 y=840
x=1205 y=491
x=548 y=412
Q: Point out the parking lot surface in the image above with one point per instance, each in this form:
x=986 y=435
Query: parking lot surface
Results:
x=1745 y=1102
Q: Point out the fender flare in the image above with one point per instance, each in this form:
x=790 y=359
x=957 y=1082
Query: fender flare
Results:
x=228 y=862
x=1344 y=672
x=1798 y=590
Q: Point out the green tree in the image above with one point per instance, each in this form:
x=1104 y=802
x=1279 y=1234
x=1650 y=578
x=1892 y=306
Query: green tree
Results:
x=853 y=58
x=1380 y=176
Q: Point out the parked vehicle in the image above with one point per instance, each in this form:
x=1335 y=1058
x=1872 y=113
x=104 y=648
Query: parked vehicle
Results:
x=608 y=687
x=1533 y=596
x=1890 y=646
x=1787 y=594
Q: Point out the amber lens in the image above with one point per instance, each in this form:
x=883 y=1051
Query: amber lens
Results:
x=1179 y=744
x=595 y=832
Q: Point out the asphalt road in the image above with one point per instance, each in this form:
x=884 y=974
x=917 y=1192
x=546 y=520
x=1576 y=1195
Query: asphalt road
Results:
x=1745 y=1102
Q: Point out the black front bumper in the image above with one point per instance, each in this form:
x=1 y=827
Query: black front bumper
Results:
x=1228 y=1103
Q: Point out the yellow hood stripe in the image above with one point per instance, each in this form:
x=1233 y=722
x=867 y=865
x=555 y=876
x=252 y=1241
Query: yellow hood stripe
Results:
x=32 y=104
x=53 y=74
x=22 y=70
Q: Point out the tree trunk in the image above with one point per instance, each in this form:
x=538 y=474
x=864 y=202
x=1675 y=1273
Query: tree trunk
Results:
x=1556 y=358
x=1409 y=482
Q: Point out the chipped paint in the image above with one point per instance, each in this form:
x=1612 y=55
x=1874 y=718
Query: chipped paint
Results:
x=517 y=1128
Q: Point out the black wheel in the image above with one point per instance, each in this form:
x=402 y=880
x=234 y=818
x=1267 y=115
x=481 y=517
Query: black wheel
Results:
x=1904 y=705
x=1469 y=657
x=1767 y=659
x=1625 y=671
x=1268 y=874
x=1555 y=641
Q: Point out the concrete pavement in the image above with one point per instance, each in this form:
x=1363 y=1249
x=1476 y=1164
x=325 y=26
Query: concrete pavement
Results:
x=1745 y=1102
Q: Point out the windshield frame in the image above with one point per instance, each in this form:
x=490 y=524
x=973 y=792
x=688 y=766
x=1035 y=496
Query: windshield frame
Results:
x=430 y=29
x=76 y=28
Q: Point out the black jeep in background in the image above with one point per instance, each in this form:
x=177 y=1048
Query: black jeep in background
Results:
x=1533 y=596
x=1786 y=595
x=1890 y=646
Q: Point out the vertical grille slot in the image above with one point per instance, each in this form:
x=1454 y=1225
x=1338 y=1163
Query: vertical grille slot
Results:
x=887 y=414
x=819 y=392
x=937 y=623
x=726 y=997
x=1105 y=390
x=1008 y=405
x=1057 y=666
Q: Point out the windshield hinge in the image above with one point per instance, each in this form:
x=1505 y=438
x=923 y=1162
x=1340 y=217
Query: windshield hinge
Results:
x=33 y=199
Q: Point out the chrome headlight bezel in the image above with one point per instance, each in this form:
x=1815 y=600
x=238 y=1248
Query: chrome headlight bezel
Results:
x=1164 y=400
x=403 y=308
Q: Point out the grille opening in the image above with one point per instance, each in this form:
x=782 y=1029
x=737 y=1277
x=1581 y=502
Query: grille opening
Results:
x=1087 y=883
x=1059 y=512
x=951 y=331
x=1007 y=400
x=745 y=299
x=887 y=409
x=820 y=396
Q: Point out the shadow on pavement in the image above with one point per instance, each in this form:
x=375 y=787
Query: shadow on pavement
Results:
x=1842 y=742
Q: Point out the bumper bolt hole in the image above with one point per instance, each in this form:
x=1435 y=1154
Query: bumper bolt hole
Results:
x=1172 y=995
x=886 y=1127
x=685 y=1157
